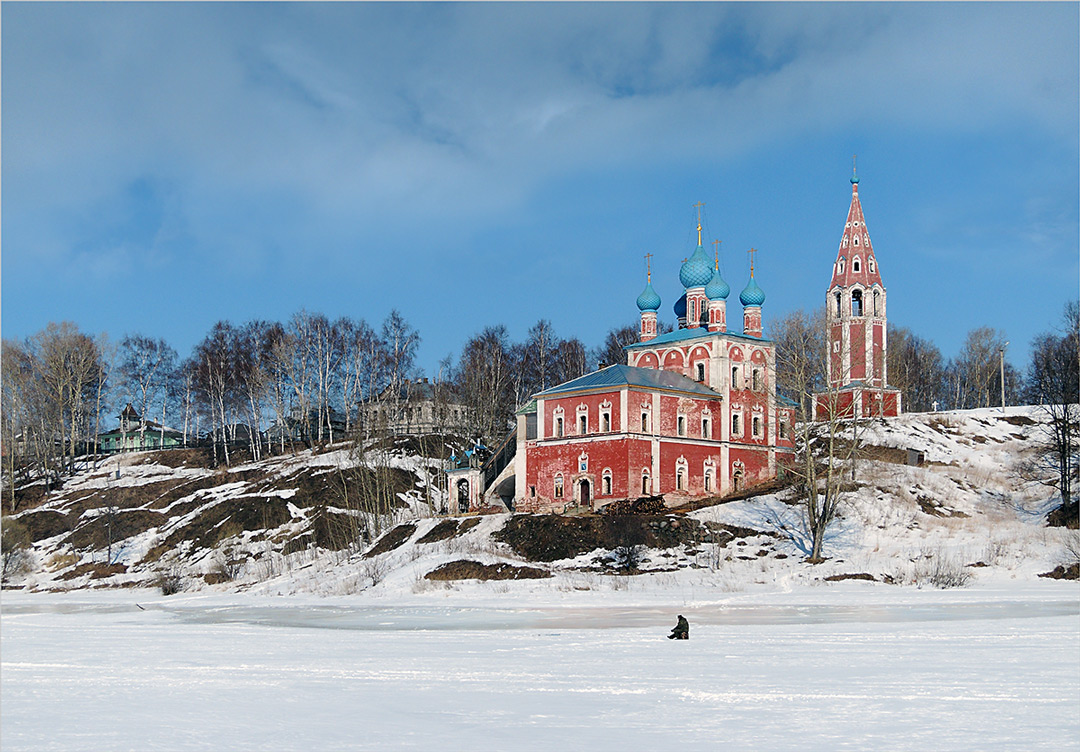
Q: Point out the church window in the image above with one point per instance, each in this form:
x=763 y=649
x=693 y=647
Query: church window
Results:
x=680 y=479
x=708 y=481
x=856 y=240
x=735 y=425
x=873 y=266
x=700 y=371
x=605 y=421
x=735 y=377
x=706 y=428
x=877 y=298
x=782 y=428
x=836 y=346
x=558 y=486
x=583 y=424
x=855 y=266
x=838 y=304
x=682 y=425
x=841 y=264
x=532 y=492
x=558 y=426
x=644 y=422
x=757 y=379
x=856 y=303
x=756 y=426
x=605 y=485
x=646 y=486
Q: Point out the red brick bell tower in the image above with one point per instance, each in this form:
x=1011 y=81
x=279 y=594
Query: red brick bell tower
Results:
x=856 y=304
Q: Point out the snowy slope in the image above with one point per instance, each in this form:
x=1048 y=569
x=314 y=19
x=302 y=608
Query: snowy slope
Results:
x=965 y=516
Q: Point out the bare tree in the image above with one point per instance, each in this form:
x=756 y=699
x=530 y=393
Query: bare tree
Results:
x=147 y=368
x=975 y=380
x=1054 y=384
x=917 y=369
x=486 y=382
x=613 y=350
x=826 y=436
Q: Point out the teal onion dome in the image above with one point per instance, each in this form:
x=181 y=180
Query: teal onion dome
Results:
x=680 y=307
x=752 y=295
x=854 y=179
x=717 y=289
x=648 y=300
x=696 y=271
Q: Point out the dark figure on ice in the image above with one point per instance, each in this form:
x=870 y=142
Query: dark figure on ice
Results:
x=681 y=630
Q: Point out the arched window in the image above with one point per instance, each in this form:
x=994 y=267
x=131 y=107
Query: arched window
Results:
x=558 y=426
x=841 y=264
x=606 y=487
x=558 y=486
x=856 y=303
x=735 y=377
x=873 y=266
x=700 y=371
x=646 y=485
x=735 y=424
x=856 y=240
x=583 y=424
x=757 y=379
x=855 y=266
x=681 y=425
x=877 y=302
x=706 y=428
x=605 y=421
x=838 y=310
x=756 y=426
x=644 y=421
x=680 y=478
x=708 y=481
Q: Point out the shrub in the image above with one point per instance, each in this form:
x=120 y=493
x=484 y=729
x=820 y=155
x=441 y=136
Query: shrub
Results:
x=170 y=582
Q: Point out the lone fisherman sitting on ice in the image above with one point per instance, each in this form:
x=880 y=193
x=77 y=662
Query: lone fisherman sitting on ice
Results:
x=681 y=630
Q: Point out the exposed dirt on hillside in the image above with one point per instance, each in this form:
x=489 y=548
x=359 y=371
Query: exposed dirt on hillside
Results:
x=464 y=569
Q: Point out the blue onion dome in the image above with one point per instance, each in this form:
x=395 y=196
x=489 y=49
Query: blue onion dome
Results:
x=680 y=307
x=696 y=271
x=717 y=289
x=648 y=300
x=752 y=295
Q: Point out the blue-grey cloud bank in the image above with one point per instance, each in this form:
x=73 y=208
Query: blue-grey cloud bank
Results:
x=169 y=165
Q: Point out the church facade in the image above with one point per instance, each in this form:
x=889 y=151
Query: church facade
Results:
x=693 y=413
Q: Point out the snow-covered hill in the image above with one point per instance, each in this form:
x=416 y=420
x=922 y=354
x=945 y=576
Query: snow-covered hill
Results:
x=286 y=525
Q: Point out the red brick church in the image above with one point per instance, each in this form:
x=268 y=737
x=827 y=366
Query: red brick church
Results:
x=694 y=412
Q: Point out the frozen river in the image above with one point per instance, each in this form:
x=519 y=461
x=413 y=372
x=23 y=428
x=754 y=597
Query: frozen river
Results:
x=842 y=668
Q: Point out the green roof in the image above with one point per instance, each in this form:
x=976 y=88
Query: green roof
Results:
x=620 y=375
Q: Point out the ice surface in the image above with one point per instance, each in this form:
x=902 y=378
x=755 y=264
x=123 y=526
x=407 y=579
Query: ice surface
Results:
x=852 y=667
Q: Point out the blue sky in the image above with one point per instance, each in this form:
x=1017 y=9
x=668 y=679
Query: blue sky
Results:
x=169 y=165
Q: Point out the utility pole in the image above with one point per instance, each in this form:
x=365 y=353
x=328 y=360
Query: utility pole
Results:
x=1001 y=351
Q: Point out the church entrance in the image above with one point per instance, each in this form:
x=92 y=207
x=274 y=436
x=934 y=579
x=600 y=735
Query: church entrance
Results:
x=463 y=495
x=585 y=496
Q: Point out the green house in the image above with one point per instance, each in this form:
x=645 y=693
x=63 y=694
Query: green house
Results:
x=135 y=434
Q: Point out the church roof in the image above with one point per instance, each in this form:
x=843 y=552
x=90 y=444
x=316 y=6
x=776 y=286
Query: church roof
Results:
x=855 y=242
x=682 y=335
x=620 y=375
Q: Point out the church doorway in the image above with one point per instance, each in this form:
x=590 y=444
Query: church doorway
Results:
x=585 y=495
x=463 y=495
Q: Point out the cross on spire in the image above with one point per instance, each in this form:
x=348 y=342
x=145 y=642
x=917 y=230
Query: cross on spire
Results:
x=648 y=266
x=698 y=206
x=751 y=253
x=716 y=254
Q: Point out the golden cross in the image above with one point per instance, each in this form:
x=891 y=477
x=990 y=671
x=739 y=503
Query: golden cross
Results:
x=751 y=253
x=648 y=265
x=716 y=254
x=698 y=206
